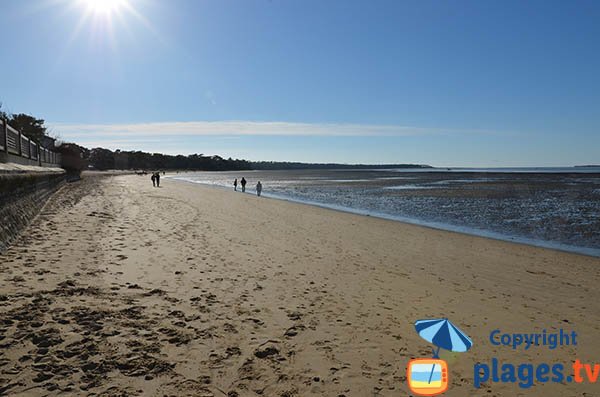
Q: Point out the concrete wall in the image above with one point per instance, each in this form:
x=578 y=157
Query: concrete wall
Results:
x=22 y=195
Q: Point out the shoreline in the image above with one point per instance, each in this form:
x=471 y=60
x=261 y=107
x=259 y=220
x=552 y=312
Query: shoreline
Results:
x=464 y=230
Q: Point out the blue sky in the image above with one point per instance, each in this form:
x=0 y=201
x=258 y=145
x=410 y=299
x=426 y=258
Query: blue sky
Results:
x=475 y=83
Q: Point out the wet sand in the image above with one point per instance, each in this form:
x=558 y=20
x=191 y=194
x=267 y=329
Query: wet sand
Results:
x=119 y=288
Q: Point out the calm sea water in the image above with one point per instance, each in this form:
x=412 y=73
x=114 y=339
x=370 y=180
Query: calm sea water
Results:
x=551 y=207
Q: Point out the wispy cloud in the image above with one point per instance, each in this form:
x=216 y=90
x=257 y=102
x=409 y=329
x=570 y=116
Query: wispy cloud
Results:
x=108 y=143
x=243 y=128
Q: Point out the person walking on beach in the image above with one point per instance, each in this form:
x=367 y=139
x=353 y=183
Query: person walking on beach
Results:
x=153 y=177
x=235 y=185
x=158 y=179
x=258 y=188
x=243 y=185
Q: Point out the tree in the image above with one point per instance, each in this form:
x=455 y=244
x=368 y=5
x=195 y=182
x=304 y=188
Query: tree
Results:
x=28 y=125
x=73 y=157
x=102 y=159
x=3 y=114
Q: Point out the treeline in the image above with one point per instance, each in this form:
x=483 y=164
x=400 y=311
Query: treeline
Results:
x=105 y=159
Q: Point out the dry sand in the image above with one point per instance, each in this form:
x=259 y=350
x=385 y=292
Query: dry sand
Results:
x=119 y=288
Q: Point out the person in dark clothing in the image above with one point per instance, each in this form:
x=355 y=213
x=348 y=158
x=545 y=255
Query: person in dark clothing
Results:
x=243 y=185
x=258 y=188
x=158 y=179
x=153 y=177
x=235 y=185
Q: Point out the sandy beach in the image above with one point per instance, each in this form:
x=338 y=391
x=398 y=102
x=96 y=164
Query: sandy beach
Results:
x=119 y=288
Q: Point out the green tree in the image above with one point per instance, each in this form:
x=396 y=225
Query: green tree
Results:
x=30 y=126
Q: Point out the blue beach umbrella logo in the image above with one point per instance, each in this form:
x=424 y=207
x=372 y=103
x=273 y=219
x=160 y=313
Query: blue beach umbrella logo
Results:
x=444 y=335
x=429 y=377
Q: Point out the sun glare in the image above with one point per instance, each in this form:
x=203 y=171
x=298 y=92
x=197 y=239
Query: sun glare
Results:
x=105 y=7
x=108 y=22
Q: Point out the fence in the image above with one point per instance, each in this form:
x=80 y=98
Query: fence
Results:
x=12 y=142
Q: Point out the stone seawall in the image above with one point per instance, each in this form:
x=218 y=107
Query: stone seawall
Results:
x=22 y=196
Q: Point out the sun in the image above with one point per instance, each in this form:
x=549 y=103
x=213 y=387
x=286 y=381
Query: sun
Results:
x=106 y=21
x=105 y=7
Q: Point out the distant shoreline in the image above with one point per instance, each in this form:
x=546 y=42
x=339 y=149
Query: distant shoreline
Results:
x=292 y=165
x=591 y=169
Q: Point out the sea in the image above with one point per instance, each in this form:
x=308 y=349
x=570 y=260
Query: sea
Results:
x=556 y=208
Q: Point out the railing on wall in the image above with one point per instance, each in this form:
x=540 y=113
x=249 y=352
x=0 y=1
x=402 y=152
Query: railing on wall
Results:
x=14 y=143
